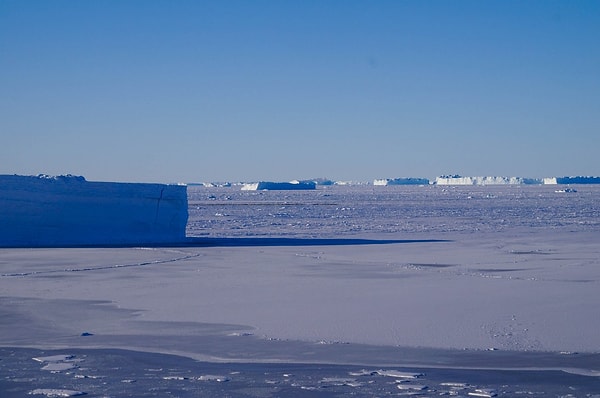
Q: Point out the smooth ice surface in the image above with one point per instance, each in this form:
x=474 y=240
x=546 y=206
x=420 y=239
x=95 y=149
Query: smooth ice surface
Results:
x=339 y=274
x=68 y=210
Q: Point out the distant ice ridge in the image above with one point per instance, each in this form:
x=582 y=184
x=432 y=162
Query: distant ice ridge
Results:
x=69 y=211
x=459 y=180
x=572 y=180
x=401 y=181
x=280 y=186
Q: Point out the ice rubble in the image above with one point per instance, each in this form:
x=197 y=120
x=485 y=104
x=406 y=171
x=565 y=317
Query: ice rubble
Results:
x=68 y=210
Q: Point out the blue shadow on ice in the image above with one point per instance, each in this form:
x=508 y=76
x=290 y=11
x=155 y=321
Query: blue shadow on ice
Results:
x=237 y=242
x=278 y=241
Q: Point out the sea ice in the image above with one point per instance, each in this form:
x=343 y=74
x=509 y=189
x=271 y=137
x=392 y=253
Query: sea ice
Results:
x=398 y=374
x=57 y=363
x=56 y=392
x=54 y=358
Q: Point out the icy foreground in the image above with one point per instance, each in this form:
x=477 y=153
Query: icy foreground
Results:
x=468 y=277
x=69 y=211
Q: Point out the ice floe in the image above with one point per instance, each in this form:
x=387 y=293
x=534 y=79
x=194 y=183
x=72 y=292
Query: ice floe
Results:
x=399 y=374
x=217 y=378
x=58 y=363
x=56 y=392
x=483 y=392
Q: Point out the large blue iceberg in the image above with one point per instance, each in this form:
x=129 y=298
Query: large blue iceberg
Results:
x=44 y=211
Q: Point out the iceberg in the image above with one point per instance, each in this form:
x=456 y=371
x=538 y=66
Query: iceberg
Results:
x=401 y=181
x=47 y=211
x=571 y=180
x=460 y=180
x=279 y=186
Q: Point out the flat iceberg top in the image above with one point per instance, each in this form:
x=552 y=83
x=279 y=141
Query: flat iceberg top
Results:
x=279 y=186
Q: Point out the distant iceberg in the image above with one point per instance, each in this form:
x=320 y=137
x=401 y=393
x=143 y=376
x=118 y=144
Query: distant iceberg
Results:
x=279 y=186
x=571 y=180
x=459 y=180
x=322 y=181
x=401 y=181
x=42 y=211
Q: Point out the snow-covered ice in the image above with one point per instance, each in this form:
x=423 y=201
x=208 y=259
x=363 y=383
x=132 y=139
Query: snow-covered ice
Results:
x=399 y=275
x=494 y=267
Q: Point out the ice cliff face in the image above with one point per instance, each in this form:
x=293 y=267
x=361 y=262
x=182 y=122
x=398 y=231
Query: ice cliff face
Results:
x=572 y=180
x=69 y=211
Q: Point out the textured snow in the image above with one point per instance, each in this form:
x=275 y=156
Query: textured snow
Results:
x=68 y=210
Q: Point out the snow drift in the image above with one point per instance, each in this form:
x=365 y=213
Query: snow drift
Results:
x=68 y=210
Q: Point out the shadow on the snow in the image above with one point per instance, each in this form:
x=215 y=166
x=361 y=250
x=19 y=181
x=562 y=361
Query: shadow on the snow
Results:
x=263 y=241
x=243 y=242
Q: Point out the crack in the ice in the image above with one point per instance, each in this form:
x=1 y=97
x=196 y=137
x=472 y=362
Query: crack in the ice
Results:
x=158 y=205
x=102 y=267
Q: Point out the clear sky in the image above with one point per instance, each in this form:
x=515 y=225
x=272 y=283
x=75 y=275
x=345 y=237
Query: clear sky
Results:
x=190 y=91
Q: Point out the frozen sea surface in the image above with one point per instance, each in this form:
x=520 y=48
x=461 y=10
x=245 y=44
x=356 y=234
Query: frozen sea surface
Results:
x=118 y=373
x=338 y=211
x=483 y=290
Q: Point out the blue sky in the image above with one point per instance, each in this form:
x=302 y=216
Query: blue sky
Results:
x=187 y=91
